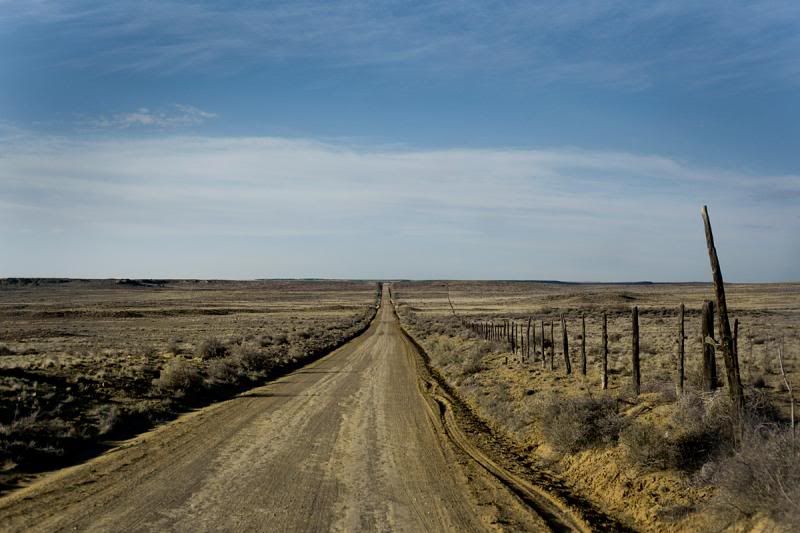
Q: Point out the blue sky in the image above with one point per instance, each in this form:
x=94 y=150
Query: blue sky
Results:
x=459 y=139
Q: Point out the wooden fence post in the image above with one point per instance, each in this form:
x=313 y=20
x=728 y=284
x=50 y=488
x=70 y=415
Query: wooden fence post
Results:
x=605 y=352
x=637 y=378
x=528 y=338
x=681 y=351
x=728 y=353
x=544 y=358
x=552 y=347
x=565 y=346
x=583 y=344
x=709 y=361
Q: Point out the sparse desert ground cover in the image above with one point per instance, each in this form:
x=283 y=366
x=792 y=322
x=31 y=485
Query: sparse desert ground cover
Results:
x=83 y=361
x=656 y=461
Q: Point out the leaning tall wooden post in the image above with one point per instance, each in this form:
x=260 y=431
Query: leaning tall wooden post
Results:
x=565 y=346
x=726 y=342
x=583 y=345
x=709 y=361
x=605 y=352
x=637 y=378
x=681 y=352
x=552 y=346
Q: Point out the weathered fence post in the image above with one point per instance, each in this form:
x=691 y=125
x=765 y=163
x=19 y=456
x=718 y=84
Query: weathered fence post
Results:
x=583 y=344
x=637 y=378
x=513 y=337
x=552 y=347
x=681 y=351
x=728 y=353
x=709 y=361
x=565 y=346
x=605 y=351
x=544 y=358
x=528 y=338
x=788 y=388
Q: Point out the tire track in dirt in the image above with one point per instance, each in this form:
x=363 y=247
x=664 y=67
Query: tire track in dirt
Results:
x=559 y=509
x=344 y=443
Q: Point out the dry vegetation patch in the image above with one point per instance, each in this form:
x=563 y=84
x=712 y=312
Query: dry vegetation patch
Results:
x=83 y=361
x=657 y=461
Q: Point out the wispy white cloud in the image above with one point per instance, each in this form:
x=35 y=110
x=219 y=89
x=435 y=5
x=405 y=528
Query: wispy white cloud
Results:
x=607 y=42
x=176 y=116
x=327 y=209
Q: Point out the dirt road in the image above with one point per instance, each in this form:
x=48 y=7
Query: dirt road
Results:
x=348 y=443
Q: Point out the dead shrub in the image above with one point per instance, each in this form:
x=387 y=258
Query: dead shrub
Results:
x=701 y=430
x=573 y=424
x=297 y=351
x=645 y=447
x=224 y=371
x=212 y=348
x=174 y=347
x=652 y=449
x=32 y=438
x=472 y=359
x=763 y=476
x=178 y=377
x=109 y=417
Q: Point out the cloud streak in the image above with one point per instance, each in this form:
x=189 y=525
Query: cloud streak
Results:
x=608 y=42
x=176 y=116
x=298 y=207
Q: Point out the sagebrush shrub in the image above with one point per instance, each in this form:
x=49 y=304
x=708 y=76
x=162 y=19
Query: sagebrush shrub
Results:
x=647 y=447
x=212 y=348
x=225 y=371
x=763 y=476
x=573 y=424
x=178 y=377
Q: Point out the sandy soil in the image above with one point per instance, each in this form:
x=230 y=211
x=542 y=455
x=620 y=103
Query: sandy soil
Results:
x=347 y=443
x=87 y=361
x=510 y=394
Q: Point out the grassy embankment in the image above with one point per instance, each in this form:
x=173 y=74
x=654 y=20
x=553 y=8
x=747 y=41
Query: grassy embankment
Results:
x=657 y=462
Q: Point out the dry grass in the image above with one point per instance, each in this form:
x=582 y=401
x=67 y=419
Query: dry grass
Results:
x=85 y=360
x=667 y=465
